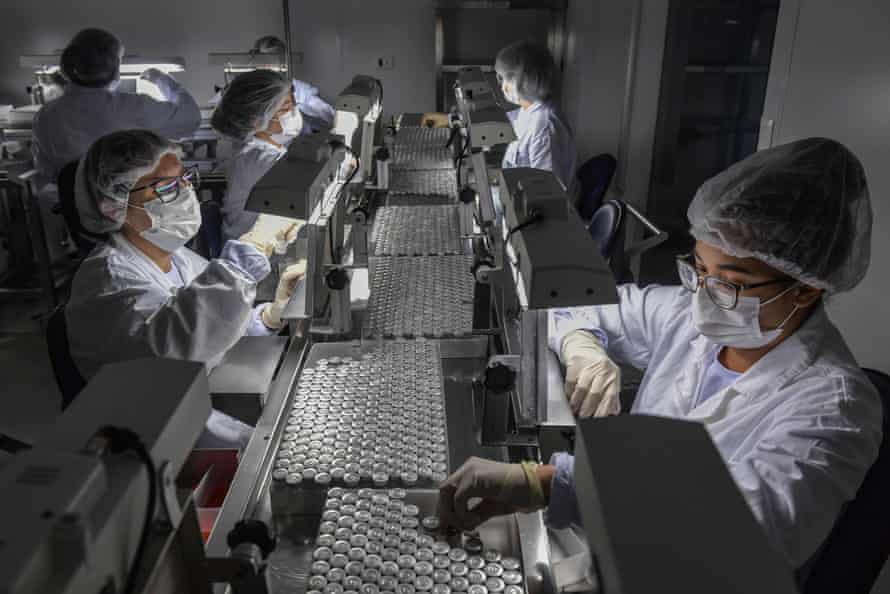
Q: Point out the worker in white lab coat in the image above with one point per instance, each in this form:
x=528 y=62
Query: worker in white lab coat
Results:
x=142 y=293
x=91 y=107
x=744 y=346
x=260 y=113
x=529 y=79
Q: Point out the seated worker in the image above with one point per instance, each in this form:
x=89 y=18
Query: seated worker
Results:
x=142 y=293
x=528 y=78
x=259 y=113
x=91 y=107
x=744 y=346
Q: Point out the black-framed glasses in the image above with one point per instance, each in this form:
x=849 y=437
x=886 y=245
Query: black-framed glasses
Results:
x=723 y=293
x=167 y=189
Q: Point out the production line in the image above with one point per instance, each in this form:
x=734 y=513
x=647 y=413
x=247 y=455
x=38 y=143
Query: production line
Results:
x=374 y=404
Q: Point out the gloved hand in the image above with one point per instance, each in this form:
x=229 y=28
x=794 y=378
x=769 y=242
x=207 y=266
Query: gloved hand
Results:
x=593 y=381
x=154 y=75
x=271 y=314
x=503 y=488
x=271 y=233
x=434 y=120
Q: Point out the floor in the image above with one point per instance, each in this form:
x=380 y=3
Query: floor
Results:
x=29 y=399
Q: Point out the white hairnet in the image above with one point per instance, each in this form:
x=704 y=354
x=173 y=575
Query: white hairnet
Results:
x=110 y=170
x=529 y=68
x=802 y=208
x=249 y=102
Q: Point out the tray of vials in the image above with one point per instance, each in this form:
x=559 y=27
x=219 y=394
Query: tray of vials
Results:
x=428 y=182
x=374 y=541
x=422 y=148
x=427 y=296
x=416 y=230
x=372 y=415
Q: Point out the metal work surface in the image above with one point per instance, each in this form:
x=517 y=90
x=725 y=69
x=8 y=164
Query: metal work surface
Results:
x=422 y=148
x=375 y=416
x=419 y=200
x=430 y=182
x=428 y=296
x=416 y=231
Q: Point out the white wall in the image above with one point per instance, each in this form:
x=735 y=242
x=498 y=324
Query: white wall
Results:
x=190 y=29
x=341 y=38
x=599 y=43
x=834 y=81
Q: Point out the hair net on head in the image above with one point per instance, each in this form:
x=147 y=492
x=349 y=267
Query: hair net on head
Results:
x=249 y=102
x=529 y=68
x=109 y=170
x=802 y=208
x=92 y=58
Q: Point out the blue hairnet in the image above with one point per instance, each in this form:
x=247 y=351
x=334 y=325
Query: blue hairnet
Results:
x=802 y=208
x=529 y=68
x=110 y=170
x=92 y=58
x=249 y=102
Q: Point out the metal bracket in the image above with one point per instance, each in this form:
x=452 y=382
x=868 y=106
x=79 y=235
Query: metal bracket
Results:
x=168 y=493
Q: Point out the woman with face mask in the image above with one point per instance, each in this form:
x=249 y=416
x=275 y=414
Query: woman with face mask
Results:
x=258 y=112
x=142 y=293
x=743 y=345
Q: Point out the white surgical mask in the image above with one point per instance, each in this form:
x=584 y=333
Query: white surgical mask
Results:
x=173 y=224
x=510 y=93
x=291 y=124
x=738 y=328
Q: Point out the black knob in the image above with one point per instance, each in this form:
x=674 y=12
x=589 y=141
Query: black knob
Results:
x=467 y=195
x=253 y=532
x=499 y=378
x=337 y=279
x=382 y=154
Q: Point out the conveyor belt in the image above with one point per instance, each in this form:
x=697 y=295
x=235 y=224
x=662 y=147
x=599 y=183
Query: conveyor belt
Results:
x=416 y=231
x=422 y=148
x=431 y=182
x=377 y=417
x=420 y=296
x=418 y=200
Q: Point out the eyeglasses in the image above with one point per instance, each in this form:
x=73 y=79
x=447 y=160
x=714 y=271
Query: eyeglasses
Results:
x=167 y=189
x=723 y=293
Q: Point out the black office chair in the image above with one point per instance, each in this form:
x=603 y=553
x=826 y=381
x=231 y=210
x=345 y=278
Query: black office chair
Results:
x=68 y=378
x=594 y=179
x=84 y=239
x=607 y=230
x=857 y=548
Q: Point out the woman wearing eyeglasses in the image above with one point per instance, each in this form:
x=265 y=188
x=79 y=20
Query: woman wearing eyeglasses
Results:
x=142 y=293
x=744 y=346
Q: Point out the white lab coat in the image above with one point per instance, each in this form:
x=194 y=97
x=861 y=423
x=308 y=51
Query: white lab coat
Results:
x=66 y=127
x=798 y=431
x=252 y=161
x=543 y=141
x=124 y=307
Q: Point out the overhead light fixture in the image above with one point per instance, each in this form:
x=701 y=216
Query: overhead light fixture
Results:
x=130 y=66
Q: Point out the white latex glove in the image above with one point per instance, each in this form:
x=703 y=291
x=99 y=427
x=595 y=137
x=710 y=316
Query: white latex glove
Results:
x=271 y=233
x=503 y=489
x=593 y=381
x=271 y=314
x=154 y=75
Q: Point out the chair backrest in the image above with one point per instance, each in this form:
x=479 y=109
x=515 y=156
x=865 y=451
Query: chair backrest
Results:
x=858 y=546
x=605 y=226
x=594 y=178
x=68 y=378
x=84 y=239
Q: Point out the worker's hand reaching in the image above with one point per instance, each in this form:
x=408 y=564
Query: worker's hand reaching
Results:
x=502 y=488
x=271 y=314
x=434 y=120
x=593 y=381
x=271 y=233
x=154 y=75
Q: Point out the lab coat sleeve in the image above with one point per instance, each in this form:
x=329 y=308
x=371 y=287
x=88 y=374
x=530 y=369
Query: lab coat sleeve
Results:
x=540 y=149
x=812 y=461
x=562 y=510
x=46 y=173
x=629 y=329
x=256 y=327
x=199 y=322
x=176 y=117
x=311 y=104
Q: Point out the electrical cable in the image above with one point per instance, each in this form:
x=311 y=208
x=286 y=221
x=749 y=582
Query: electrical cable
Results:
x=535 y=216
x=122 y=440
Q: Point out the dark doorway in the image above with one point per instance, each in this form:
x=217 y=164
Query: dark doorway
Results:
x=714 y=78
